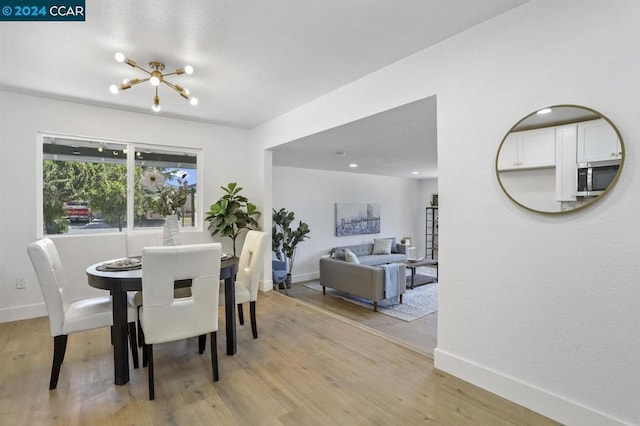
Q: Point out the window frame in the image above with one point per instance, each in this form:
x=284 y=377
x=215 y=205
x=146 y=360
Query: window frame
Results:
x=131 y=164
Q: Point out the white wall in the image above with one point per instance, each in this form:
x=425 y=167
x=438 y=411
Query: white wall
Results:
x=542 y=310
x=313 y=194
x=21 y=116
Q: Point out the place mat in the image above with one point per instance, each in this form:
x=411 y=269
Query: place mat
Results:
x=126 y=264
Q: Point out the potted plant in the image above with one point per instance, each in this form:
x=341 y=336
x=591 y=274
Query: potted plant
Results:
x=232 y=214
x=284 y=239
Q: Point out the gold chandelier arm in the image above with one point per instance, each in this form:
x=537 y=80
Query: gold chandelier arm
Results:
x=133 y=82
x=139 y=80
x=176 y=88
x=135 y=65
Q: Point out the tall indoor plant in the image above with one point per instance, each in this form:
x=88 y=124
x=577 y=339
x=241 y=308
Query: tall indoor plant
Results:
x=284 y=239
x=232 y=214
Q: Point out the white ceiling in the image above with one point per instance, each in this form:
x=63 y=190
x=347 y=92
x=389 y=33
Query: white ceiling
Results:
x=254 y=60
x=396 y=142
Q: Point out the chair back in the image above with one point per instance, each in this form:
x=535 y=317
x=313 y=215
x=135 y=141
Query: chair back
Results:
x=52 y=278
x=251 y=261
x=166 y=318
x=137 y=240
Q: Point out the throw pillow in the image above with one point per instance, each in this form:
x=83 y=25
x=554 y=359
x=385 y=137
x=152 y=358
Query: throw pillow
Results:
x=381 y=246
x=394 y=246
x=350 y=256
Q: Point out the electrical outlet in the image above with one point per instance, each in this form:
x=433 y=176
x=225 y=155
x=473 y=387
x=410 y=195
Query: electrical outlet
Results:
x=21 y=283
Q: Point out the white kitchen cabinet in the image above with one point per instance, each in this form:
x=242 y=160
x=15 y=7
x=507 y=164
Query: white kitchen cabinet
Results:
x=566 y=169
x=597 y=141
x=528 y=149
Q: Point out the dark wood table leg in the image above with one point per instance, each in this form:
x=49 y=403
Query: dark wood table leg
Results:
x=413 y=276
x=230 y=313
x=120 y=349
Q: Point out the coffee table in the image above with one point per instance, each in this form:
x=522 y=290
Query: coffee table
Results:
x=412 y=265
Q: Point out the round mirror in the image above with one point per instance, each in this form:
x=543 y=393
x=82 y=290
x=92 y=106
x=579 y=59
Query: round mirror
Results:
x=559 y=159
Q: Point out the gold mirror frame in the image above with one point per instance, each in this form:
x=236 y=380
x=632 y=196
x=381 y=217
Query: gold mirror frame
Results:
x=522 y=125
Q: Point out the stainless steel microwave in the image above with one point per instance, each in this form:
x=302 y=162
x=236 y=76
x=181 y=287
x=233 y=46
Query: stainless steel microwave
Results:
x=594 y=178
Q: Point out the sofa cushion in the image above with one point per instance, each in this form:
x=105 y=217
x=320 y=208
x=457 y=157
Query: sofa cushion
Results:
x=381 y=246
x=350 y=256
x=381 y=259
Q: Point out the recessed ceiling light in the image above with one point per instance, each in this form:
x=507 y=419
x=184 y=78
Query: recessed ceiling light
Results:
x=414 y=173
x=353 y=165
x=544 y=111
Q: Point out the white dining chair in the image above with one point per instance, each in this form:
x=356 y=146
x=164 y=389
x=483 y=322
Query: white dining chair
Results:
x=248 y=276
x=165 y=318
x=136 y=241
x=70 y=316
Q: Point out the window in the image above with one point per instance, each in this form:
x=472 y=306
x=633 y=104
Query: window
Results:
x=92 y=186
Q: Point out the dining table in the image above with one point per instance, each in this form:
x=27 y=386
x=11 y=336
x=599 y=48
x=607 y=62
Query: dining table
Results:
x=119 y=282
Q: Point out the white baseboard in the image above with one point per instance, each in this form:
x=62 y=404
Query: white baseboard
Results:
x=265 y=285
x=23 y=312
x=553 y=406
x=305 y=277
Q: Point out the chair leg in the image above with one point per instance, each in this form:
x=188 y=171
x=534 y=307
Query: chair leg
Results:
x=139 y=328
x=144 y=349
x=59 y=348
x=254 y=325
x=240 y=314
x=214 y=356
x=133 y=343
x=202 y=342
x=149 y=351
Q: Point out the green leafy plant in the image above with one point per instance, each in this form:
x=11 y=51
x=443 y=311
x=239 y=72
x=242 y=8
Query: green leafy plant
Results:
x=284 y=239
x=232 y=214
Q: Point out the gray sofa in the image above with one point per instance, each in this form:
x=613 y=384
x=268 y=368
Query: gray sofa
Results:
x=366 y=279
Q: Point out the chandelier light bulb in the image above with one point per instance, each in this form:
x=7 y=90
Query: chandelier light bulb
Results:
x=188 y=69
x=120 y=57
x=155 y=108
x=114 y=89
x=155 y=81
x=193 y=101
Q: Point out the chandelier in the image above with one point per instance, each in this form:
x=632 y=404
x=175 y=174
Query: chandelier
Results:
x=155 y=77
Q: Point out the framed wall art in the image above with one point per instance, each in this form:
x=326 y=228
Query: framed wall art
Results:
x=357 y=218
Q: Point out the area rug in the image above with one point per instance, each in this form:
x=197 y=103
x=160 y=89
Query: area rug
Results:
x=416 y=303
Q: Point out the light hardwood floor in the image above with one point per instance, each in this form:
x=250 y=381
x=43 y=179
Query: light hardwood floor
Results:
x=306 y=367
x=420 y=334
